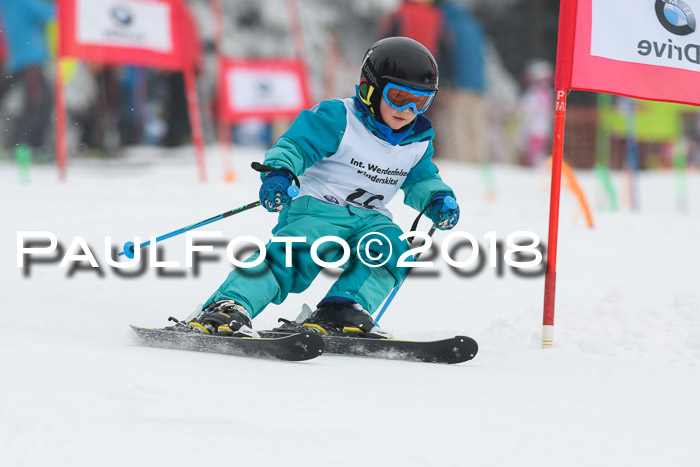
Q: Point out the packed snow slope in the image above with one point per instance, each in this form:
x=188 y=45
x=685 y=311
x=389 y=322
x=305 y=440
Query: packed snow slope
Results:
x=620 y=387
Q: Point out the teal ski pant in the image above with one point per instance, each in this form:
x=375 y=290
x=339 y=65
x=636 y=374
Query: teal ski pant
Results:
x=271 y=281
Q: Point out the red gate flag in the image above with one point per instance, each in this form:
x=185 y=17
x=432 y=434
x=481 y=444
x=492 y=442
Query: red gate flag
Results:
x=153 y=33
x=648 y=49
x=263 y=88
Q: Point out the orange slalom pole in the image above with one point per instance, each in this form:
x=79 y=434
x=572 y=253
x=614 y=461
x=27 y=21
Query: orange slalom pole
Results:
x=223 y=128
x=575 y=187
x=195 y=121
x=550 y=278
x=578 y=191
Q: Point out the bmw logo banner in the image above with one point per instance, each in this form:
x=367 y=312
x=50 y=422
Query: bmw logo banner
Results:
x=152 y=33
x=648 y=49
x=262 y=88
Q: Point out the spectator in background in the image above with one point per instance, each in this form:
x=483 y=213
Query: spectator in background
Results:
x=536 y=113
x=419 y=20
x=113 y=116
x=176 y=112
x=460 y=115
x=131 y=109
x=3 y=58
x=24 y=25
x=98 y=122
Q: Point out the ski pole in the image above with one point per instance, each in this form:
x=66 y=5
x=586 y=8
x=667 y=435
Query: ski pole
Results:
x=128 y=250
x=395 y=290
x=292 y=191
x=451 y=203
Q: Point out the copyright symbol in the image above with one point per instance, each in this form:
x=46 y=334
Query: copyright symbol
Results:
x=368 y=246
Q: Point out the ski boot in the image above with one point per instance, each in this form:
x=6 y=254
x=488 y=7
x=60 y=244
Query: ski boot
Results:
x=224 y=318
x=344 y=318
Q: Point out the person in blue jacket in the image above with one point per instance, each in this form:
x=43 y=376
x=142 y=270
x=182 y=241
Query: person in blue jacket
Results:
x=24 y=25
x=351 y=157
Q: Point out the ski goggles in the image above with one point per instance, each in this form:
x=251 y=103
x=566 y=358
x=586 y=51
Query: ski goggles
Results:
x=401 y=97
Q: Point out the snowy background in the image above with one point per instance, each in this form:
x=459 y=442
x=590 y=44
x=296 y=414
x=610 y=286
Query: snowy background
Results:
x=620 y=387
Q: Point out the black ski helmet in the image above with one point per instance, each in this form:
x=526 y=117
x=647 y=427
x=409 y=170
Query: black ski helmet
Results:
x=398 y=59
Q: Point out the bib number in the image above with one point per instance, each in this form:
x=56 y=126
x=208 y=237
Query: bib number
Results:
x=363 y=198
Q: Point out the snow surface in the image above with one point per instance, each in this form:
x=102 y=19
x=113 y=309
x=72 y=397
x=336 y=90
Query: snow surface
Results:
x=620 y=387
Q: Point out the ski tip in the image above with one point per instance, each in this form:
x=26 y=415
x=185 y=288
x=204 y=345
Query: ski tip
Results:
x=467 y=349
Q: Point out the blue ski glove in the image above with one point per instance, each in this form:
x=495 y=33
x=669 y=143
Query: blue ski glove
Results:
x=277 y=191
x=443 y=211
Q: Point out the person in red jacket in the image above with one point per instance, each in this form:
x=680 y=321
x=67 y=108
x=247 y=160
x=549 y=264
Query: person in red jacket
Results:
x=420 y=20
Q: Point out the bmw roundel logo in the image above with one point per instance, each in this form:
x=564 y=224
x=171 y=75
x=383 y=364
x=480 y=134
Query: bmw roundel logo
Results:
x=675 y=16
x=121 y=15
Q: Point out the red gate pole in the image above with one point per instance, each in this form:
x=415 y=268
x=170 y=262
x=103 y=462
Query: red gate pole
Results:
x=550 y=278
x=295 y=25
x=59 y=102
x=195 y=120
x=223 y=126
x=218 y=23
x=298 y=38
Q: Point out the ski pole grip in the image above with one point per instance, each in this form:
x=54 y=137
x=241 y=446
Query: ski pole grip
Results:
x=450 y=202
x=293 y=190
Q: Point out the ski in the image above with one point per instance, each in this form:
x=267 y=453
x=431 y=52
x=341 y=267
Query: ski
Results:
x=300 y=346
x=456 y=349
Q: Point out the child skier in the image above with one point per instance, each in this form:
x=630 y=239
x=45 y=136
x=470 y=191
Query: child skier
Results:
x=351 y=156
